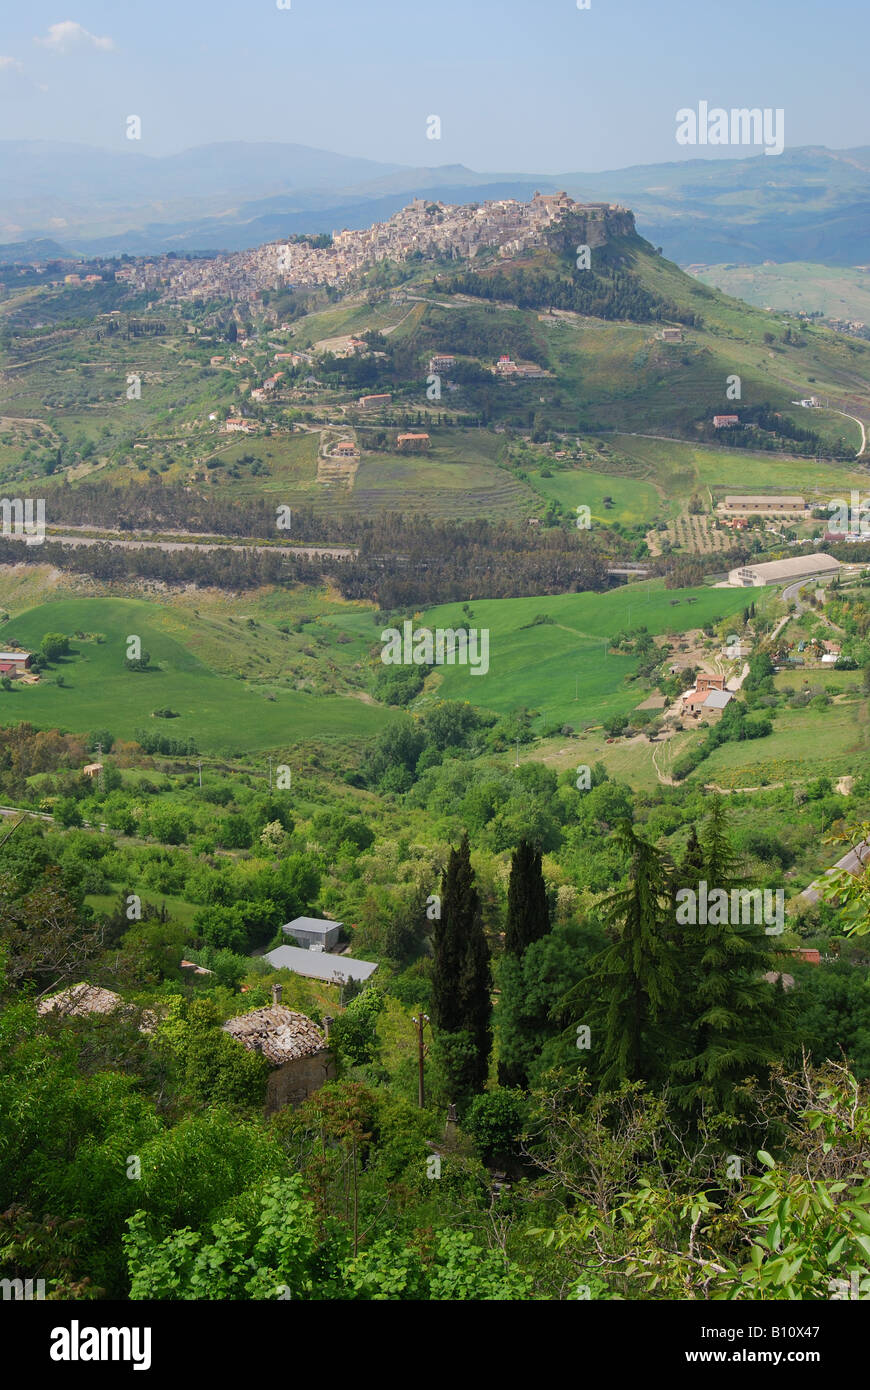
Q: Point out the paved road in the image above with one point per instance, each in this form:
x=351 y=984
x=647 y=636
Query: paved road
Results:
x=338 y=552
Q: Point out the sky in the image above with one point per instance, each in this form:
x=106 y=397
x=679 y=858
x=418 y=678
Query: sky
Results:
x=518 y=85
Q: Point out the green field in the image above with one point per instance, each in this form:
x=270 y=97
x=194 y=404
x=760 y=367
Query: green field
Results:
x=224 y=712
x=634 y=501
x=836 y=292
x=561 y=669
x=804 y=744
x=680 y=469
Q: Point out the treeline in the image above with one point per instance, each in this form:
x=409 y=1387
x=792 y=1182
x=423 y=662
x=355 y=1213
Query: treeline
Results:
x=767 y=421
x=222 y=569
x=401 y=560
x=427 y=561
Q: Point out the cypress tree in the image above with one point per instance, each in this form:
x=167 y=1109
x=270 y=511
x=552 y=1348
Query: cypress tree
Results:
x=462 y=980
x=528 y=920
x=528 y=912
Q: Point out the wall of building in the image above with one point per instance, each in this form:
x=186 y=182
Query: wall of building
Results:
x=295 y=1081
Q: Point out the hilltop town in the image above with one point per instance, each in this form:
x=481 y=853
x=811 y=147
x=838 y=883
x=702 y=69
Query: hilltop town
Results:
x=426 y=229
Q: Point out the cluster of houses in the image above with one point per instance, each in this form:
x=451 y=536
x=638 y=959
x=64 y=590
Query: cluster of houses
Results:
x=813 y=651
x=295 y=1047
x=430 y=229
x=708 y=695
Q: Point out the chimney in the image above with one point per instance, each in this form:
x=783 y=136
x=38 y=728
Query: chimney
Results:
x=276 y=995
x=327 y=1025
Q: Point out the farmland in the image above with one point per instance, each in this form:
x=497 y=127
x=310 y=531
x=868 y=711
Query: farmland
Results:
x=559 y=667
x=224 y=710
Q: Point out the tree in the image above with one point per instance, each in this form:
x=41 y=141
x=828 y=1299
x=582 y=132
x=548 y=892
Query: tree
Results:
x=54 y=645
x=528 y=913
x=528 y=921
x=461 y=976
x=634 y=978
x=738 y=1025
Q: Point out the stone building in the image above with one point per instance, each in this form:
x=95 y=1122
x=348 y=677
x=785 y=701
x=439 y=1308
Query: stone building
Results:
x=294 y=1047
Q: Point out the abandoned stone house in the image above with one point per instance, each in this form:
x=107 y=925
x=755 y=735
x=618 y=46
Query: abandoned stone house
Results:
x=294 y=1047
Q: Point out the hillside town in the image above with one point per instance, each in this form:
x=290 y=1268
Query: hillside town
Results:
x=427 y=229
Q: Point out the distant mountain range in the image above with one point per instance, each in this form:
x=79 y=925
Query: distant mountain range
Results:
x=809 y=204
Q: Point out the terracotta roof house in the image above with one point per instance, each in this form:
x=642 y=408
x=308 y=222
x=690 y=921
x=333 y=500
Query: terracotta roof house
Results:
x=81 y=1000
x=292 y=1044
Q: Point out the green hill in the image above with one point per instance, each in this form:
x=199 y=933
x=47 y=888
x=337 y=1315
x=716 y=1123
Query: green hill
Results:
x=218 y=708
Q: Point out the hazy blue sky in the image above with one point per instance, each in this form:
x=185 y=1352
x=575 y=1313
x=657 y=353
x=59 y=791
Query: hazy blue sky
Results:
x=532 y=85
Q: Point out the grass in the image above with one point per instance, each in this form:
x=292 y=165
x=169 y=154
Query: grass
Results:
x=560 y=669
x=223 y=711
x=680 y=469
x=833 y=291
x=634 y=501
x=804 y=744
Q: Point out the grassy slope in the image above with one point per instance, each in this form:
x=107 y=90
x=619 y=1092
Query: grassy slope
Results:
x=832 y=291
x=224 y=714
x=542 y=667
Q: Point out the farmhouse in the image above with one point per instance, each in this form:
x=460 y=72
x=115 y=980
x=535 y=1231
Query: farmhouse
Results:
x=319 y=965
x=672 y=335
x=237 y=424
x=313 y=931
x=294 y=1047
x=441 y=362
x=724 y=422
x=783 y=571
x=708 y=693
x=345 y=448
x=376 y=402
x=14 y=663
x=412 y=443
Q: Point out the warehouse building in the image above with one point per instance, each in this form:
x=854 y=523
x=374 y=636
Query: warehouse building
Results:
x=319 y=965
x=313 y=931
x=783 y=571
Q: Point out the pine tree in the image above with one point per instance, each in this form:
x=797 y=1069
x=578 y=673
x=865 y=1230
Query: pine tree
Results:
x=461 y=979
x=738 y=1020
x=634 y=977
x=528 y=920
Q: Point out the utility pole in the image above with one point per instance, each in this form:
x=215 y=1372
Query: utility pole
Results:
x=517 y=763
x=270 y=772
x=101 y=781
x=200 y=776
x=420 y=1020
